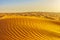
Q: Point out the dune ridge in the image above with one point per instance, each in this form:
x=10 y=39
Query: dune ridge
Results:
x=16 y=27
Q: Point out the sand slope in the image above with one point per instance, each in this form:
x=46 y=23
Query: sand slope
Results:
x=14 y=27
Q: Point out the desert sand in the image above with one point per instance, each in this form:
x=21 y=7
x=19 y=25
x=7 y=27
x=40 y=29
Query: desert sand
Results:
x=29 y=26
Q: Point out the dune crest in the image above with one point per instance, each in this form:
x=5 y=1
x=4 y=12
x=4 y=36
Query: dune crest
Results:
x=13 y=27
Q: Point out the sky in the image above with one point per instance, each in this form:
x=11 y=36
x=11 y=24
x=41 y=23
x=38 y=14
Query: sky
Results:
x=29 y=5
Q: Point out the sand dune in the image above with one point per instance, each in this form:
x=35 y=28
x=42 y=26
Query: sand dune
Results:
x=18 y=27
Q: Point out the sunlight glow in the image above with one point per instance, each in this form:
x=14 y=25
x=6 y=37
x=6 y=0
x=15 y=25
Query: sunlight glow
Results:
x=30 y=6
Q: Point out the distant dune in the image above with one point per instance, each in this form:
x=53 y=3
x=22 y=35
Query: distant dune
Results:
x=30 y=26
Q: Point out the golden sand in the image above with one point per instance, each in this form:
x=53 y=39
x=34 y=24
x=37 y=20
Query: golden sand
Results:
x=14 y=27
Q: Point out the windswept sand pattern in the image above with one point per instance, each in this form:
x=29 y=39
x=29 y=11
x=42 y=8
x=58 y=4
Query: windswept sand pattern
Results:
x=16 y=27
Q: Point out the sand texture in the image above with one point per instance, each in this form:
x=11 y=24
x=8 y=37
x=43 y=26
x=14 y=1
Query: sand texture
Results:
x=29 y=26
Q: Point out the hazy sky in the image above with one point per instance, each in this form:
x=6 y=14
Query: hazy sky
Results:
x=29 y=5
